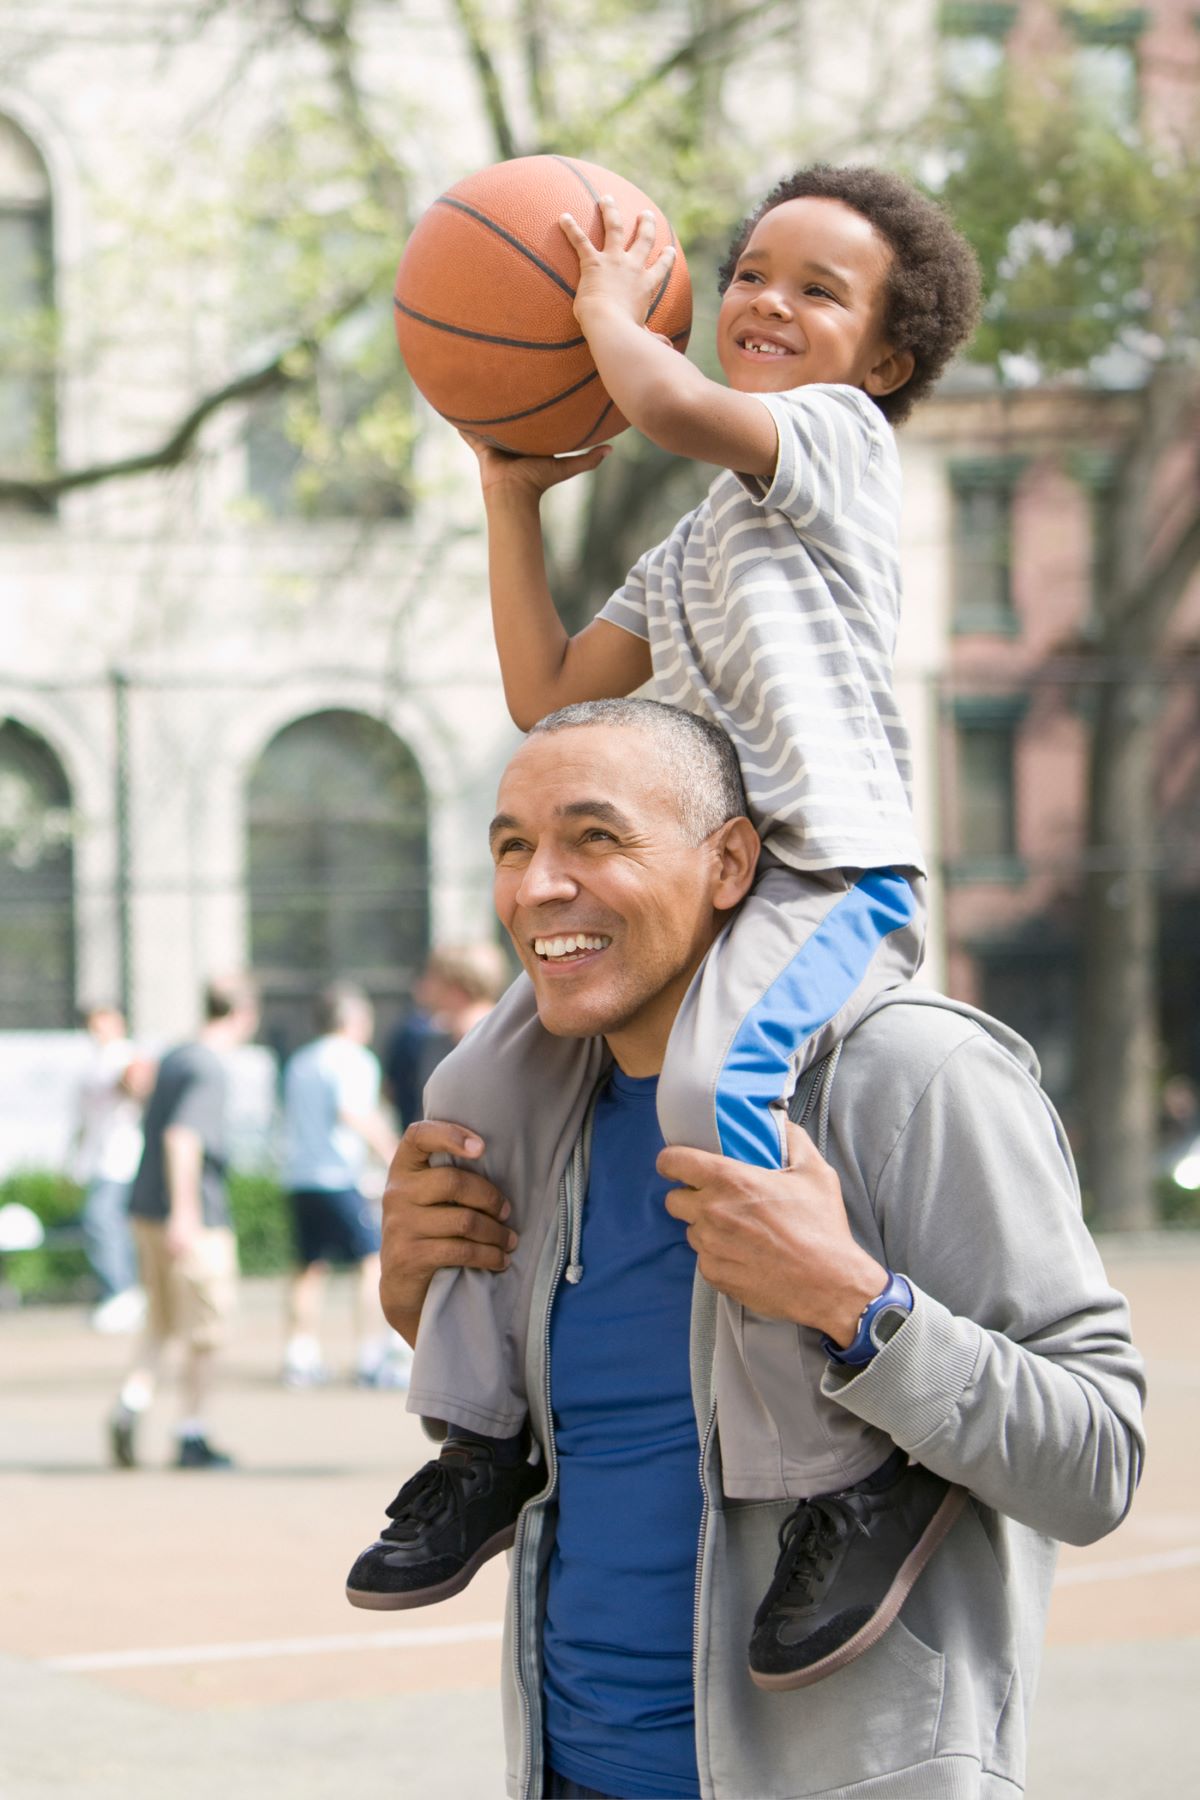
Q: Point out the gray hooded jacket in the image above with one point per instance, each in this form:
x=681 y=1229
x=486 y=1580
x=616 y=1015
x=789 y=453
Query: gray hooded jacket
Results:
x=1014 y=1375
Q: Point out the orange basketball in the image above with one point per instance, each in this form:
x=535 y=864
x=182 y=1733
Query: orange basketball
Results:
x=483 y=303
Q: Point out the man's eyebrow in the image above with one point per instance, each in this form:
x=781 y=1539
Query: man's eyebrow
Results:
x=575 y=809
x=596 y=809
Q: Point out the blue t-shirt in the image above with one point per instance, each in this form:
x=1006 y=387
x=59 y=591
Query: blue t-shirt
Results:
x=620 y=1713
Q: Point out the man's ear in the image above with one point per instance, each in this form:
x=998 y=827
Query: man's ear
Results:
x=737 y=846
x=890 y=372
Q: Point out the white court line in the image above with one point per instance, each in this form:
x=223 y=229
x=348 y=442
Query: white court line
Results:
x=422 y=1637
x=1157 y=1562
x=415 y=1638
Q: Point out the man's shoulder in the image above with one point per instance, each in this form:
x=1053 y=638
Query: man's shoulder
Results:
x=911 y=1034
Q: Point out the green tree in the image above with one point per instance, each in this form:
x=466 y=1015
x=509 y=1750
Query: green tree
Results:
x=1087 y=237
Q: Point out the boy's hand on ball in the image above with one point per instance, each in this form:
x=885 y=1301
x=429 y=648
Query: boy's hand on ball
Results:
x=500 y=470
x=626 y=278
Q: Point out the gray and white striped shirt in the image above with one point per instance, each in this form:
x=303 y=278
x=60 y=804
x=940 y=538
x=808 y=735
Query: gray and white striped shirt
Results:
x=772 y=609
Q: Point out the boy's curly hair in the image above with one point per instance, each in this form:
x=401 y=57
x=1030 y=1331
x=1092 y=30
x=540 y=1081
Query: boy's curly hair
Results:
x=933 y=290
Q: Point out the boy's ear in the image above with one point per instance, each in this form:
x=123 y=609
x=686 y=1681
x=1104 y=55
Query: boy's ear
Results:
x=891 y=372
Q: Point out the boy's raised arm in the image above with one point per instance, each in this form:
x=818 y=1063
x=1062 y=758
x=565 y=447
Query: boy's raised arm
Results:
x=670 y=401
x=541 y=666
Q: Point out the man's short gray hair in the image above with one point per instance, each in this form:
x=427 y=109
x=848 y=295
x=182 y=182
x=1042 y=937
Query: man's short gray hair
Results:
x=698 y=758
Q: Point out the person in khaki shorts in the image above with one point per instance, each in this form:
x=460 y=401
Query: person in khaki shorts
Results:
x=183 y=1231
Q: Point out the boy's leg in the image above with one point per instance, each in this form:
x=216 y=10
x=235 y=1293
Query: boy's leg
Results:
x=794 y=972
x=796 y=969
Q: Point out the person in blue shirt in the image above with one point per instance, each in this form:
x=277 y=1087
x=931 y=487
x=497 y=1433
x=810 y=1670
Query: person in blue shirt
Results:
x=1005 y=1368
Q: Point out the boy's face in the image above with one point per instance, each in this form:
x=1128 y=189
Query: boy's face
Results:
x=806 y=304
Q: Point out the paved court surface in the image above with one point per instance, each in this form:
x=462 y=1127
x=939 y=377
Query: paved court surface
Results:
x=169 y=1636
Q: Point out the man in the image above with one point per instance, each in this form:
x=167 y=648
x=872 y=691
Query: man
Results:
x=332 y=1124
x=106 y=1153
x=182 y=1228
x=458 y=986
x=1004 y=1365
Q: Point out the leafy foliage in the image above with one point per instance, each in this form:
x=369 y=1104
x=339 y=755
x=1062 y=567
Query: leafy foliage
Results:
x=59 y=1270
x=1083 y=231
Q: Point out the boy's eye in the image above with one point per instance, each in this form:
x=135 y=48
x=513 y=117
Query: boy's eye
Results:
x=815 y=287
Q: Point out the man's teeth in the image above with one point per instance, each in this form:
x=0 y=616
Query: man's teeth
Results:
x=568 y=946
x=766 y=349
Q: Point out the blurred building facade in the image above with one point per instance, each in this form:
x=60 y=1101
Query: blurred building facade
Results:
x=232 y=734
x=1027 y=501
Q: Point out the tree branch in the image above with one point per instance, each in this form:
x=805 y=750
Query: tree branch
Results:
x=271 y=376
x=171 y=452
x=489 y=79
x=694 y=50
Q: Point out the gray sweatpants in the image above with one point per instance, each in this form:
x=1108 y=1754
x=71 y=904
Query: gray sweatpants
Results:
x=793 y=972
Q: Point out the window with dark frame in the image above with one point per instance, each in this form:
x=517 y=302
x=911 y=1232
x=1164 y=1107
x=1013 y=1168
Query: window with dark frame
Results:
x=338 y=867
x=981 y=545
x=986 y=844
x=972 y=44
x=27 y=325
x=37 y=913
x=1104 y=62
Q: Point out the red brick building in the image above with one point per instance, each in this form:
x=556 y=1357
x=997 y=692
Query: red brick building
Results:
x=1028 y=476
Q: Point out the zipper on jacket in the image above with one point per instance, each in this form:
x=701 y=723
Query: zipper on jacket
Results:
x=702 y=1534
x=570 y=1213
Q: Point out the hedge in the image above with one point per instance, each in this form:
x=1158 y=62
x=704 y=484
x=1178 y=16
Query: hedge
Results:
x=59 y=1271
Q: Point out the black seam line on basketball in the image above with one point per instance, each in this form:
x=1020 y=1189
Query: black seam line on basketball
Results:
x=666 y=280
x=594 y=427
x=485 y=337
x=578 y=173
x=530 y=255
x=511 y=418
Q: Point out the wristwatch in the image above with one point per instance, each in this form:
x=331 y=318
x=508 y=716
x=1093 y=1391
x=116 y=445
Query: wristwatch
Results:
x=879 y=1320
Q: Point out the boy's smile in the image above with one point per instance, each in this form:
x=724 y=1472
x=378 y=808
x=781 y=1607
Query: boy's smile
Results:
x=807 y=302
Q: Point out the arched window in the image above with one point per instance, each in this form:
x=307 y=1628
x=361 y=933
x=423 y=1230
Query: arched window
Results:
x=338 y=865
x=27 y=328
x=37 y=931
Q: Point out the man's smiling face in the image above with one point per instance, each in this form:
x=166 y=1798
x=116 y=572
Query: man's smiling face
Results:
x=611 y=909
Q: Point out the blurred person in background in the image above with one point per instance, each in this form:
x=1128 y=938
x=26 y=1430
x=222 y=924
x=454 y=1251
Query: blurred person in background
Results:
x=183 y=1228
x=458 y=986
x=333 y=1125
x=105 y=1152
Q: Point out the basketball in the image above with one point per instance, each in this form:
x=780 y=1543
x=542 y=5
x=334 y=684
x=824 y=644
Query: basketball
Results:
x=483 y=303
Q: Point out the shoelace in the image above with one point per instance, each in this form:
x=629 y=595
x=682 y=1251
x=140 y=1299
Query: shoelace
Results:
x=428 y=1495
x=809 y=1539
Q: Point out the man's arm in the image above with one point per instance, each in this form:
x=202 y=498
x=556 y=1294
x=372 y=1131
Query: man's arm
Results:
x=435 y=1218
x=183 y=1164
x=1015 y=1375
x=374 y=1131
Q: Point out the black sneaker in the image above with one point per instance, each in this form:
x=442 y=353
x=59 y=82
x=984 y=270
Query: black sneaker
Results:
x=446 y=1522
x=121 y=1425
x=847 y=1562
x=198 y=1453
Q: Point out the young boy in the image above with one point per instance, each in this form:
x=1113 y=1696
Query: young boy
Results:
x=772 y=609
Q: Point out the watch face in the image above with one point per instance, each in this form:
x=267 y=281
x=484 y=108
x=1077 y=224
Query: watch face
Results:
x=887 y=1323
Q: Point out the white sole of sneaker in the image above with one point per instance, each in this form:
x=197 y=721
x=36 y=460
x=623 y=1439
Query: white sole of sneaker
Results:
x=444 y=1590
x=889 y=1607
